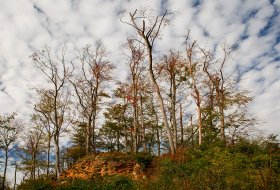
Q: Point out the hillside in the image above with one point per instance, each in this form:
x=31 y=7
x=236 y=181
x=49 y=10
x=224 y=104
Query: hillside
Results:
x=246 y=165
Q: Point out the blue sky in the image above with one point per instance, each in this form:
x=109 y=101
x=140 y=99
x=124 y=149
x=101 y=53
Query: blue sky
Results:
x=252 y=26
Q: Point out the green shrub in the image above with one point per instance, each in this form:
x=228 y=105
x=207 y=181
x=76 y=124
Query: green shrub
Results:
x=118 y=182
x=246 y=165
x=219 y=167
x=144 y=160
x=103 y=183
x=37 y=184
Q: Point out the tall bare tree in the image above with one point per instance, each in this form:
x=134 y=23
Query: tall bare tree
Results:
x=218 y=82
x=170 y=68
x=231 y=102
x=43 y=115
x=135 y=56
x=148 y=29
x=57 y=96
x=94 y=73
x=193 y=64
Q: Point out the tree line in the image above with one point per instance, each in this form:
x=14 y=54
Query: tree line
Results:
x=169 y=100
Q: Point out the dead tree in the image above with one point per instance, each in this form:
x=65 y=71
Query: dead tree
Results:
x=192 y=65
x=170 y=68
x=148 y=30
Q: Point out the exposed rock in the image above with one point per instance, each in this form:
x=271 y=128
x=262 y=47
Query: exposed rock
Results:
x=105 y=164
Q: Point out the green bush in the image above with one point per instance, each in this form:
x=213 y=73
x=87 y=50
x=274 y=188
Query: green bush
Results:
x=246 y=165
x=144 y=160
x=36 y=184
x=118 y=182
x=105 y=183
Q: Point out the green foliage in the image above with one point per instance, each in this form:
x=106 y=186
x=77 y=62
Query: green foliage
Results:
x=78 y=185
x=247 y=165
x=76 y=153
x=118 y=182
x=105 y=183
x=37 y=184
x=144 y=160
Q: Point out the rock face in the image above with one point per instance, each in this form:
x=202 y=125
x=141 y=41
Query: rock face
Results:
x=105 y=164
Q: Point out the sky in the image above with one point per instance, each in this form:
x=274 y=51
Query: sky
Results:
x=251 y=25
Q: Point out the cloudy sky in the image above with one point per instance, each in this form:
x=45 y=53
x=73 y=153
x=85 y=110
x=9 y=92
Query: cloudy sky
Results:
x=253 y=25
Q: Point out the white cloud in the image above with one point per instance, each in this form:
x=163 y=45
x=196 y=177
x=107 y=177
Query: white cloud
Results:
x=268 y=110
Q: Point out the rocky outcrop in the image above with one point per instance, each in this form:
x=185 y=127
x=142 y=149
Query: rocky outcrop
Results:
x=105 y=164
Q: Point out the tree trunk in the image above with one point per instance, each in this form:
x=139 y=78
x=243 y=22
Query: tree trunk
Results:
x=125 y=142
x=5 y=168
x=142 y=126
x=211 y=104
x=199 y=124
x=57 y=156
x=131 y=137
x=158 y=143
x=88 y=136
x=118 y=141
x=33 y=167
x=94 y=114
x=173 y=110
x=48 y=156
x=135 y=127
x=93 y=139
x=181 y=125
x=222 y=120
x=198 y=106
x=160 y=99
x=125 y=133
x=192 y=131
x=157 y=129
x=196 y=94
x=221 y=110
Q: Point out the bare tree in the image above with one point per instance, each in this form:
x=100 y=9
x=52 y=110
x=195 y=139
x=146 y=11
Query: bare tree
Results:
x=148 y=29
x=44 y=116
x=170 y=68
x=181 y=125
x=34 y=143
x=218 y=82
x=153 y=108
x=230 y=101
x=57 y=96
x=95 y=72
x=193 y=66
x=135 y=57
